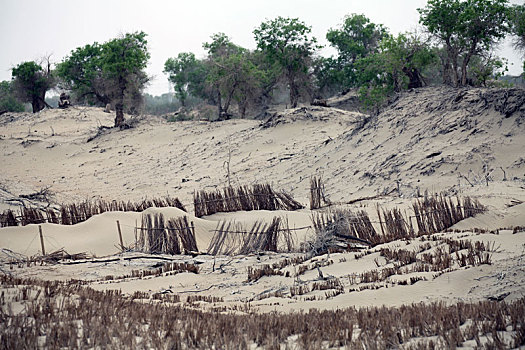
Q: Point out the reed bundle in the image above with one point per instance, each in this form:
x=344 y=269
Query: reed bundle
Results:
x=8 y=218
x=158 y=236
x=74 y=213
x=317 y=193
x=437 y=213
x=231 y=238
x=341 y=227
x=256 y=197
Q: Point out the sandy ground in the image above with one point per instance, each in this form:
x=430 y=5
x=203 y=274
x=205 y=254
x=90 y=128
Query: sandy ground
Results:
x=419 y=144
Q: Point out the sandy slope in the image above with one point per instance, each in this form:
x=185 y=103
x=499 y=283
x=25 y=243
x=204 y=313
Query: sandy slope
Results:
x=428 y=140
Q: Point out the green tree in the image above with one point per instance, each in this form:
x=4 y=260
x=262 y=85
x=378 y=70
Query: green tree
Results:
x=182 y=72
x=122 y=61
x=232 y=75
x=8 y=102
x=31 y=81
x=287 y=43
x=81 y=73
x=356 y=38
x=486 y=70
x=466 y=29
x=397 y=65
x=112 y=72
x=517 y=25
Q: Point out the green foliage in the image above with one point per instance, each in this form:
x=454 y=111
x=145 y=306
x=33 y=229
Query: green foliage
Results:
x=81 y=72
x=485 y=71
x=112 y=72
x=286 y=42
x=183 y=73
x=517 y=28
x=31 y=82
x=179 y=117
x=466 y=28
x=7 y=100
x=124 y=56
x=355 y=39
x=397 y=65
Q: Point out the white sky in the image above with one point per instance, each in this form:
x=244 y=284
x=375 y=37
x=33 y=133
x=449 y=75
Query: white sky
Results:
x=33 y=28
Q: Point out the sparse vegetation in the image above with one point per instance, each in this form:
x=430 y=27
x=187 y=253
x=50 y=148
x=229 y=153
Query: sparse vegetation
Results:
x=54 y=311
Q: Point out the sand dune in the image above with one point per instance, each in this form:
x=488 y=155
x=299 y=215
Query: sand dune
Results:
x=457 y=143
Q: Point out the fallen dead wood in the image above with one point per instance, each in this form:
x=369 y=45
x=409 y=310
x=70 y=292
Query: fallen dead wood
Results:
x=95 y=261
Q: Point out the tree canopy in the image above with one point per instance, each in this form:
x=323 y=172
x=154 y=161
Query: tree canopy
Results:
x=8 y=101
x=112 y=72
x=466 y=29
x=287 y=43
x=31 y=81
x=456 y=48
x=356 y=38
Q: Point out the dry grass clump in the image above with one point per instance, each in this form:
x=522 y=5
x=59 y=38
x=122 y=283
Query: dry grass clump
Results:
x=64 y=315
x=74 y=213
x=8 y=218
x=206 y=298
x=299 y=289
x=450 y=255
x=255 y=273
x=333 y=283
x=339 y=228
x=158 y=236
x=167 y=269
x=256 y=197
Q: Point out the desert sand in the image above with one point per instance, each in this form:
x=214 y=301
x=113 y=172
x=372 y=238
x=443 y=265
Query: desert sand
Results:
x=431 y=141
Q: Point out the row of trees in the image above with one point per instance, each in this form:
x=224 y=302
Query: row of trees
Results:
x=456 y=48
x=112 y=72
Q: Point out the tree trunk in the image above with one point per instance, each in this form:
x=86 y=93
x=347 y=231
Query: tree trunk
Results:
x=119 y=105
x=294 y=92
x=466 y=61
x=182 y=97
x=219 y=103
x=242 y=107
x=38 y=102
x=414 y=78
x=447 y=70
x=453 y=59
x=119 y=111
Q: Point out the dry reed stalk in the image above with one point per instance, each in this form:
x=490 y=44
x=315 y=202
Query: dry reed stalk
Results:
x=74 y=213
x=438 y=213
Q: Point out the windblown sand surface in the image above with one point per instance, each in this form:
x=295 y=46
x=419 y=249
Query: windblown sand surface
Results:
x=466 y=143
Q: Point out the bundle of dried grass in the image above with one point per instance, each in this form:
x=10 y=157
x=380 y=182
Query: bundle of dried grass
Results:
x=74 y=213
x=231 y=238
x=256 y=197
x=61 y=254
x=317 y=193
x=157 y=236
x=394 y=225
x=437 y=213
x=8 y=218
x=31 y=216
